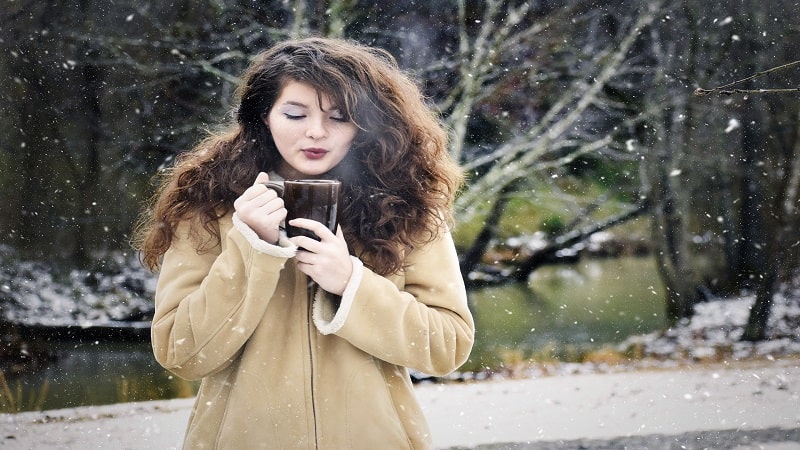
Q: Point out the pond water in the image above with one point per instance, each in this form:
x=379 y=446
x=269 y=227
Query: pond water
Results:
x=96 y=373
x=563 y=310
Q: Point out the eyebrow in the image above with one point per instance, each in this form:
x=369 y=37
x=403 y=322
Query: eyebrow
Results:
x=295 y=103
x=303 y=105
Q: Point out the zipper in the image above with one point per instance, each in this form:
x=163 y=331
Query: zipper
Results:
x=310 y=285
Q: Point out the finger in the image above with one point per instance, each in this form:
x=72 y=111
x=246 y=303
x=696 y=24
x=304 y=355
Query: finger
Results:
x=276 y=187
x=317 y=228
x=340 y=234
x=255 y=196
x=253 y=192
x=306 y=244
x=261 y=178
x=304 y=256
x=342 y=241
x=274 y=206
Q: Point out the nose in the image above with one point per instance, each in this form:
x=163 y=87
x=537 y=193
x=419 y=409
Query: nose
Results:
x=316 y=130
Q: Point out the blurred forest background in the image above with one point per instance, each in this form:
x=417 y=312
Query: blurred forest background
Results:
x=570 y=117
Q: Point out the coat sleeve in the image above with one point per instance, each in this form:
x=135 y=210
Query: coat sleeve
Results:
x=424 y=325
x=208 y=303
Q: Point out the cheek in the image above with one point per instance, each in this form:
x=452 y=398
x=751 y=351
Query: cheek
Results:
x=350 y=136
x=283 y=135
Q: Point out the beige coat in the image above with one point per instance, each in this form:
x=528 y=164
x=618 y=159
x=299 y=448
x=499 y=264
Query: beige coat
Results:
x=280 y=373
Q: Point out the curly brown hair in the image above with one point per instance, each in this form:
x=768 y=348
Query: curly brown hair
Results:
x=398 y=179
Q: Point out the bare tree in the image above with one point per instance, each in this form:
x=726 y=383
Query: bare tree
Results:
x=781 y=255
x=665 y=136
x=555 y=139
x=720 y=169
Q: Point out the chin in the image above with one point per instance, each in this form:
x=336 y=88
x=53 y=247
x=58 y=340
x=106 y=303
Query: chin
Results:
x=315 y=173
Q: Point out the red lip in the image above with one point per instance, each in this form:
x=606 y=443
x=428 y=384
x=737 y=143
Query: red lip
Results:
x=314 y=153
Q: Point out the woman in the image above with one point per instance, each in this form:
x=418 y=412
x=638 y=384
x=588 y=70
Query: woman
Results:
x=280 y=369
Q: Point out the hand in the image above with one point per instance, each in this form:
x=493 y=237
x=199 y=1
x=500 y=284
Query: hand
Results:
x=326 y=261
x=261 y=209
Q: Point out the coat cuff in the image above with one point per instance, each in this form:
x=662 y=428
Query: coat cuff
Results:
x=284 y=249
x=327 y=318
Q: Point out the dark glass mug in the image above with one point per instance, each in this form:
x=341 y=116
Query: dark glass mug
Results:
x=312 y=199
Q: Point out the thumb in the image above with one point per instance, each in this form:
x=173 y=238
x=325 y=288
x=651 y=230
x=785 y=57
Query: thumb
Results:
x=261 y=178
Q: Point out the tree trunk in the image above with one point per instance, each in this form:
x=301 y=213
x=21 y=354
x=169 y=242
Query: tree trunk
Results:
x=91 y=92
x=670 y=252
x=782 y=253
x=751 y=258
x=669 y=197
x=756 y=328
x=572 y=237
x=37 y=213
x=472 y=257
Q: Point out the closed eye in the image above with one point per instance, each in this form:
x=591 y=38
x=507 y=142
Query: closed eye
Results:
x=338 y=116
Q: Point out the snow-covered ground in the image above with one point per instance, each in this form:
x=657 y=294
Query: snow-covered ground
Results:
x=743 y=405
x=715 y=331
x=117 y=289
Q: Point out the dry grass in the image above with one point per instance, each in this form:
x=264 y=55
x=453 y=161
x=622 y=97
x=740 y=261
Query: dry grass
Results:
x=12 y=400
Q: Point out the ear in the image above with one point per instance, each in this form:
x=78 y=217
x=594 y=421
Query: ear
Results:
x=265 y=118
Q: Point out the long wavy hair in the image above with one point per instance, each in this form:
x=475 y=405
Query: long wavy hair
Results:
x=398 y=179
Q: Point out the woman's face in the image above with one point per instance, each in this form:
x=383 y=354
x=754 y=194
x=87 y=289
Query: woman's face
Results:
x=309 y=131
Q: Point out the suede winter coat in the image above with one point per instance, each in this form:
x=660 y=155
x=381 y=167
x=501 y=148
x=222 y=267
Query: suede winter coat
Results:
x=281 y=372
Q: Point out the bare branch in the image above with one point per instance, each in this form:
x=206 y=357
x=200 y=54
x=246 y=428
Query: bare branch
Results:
x=525 y=154
x=476 y=65
x=208 y=67
x=725 y=90
x=702 y=92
